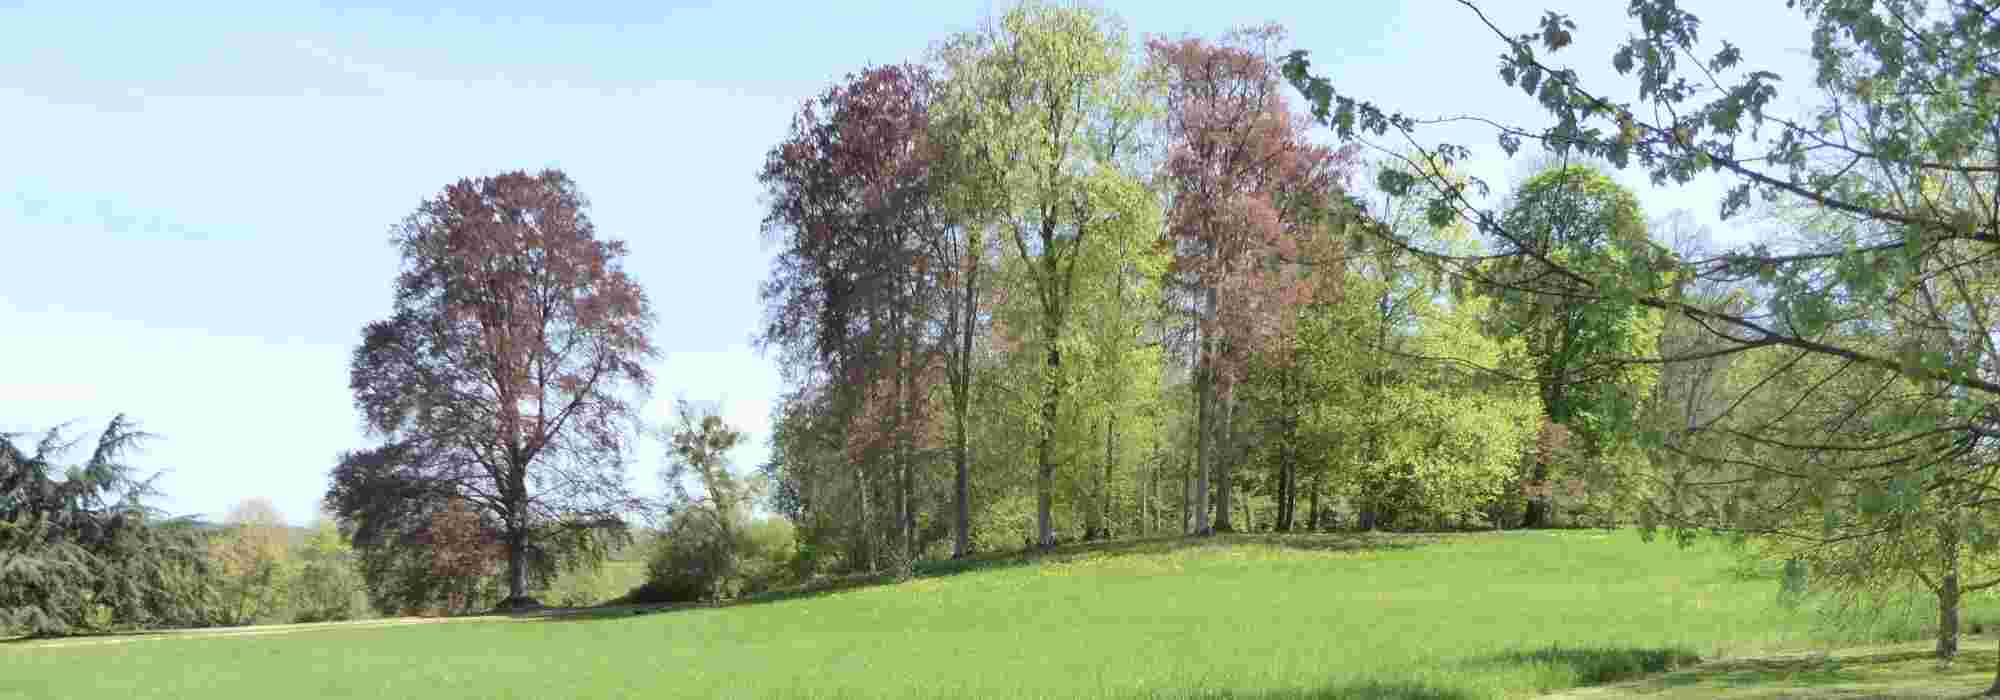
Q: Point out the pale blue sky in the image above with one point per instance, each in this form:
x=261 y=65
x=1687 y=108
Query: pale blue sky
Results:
x=201 y=193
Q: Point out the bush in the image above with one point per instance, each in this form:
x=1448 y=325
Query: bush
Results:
x=691 y=561
x=329 y=585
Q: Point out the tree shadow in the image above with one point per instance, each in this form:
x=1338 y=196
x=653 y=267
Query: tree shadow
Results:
x=1347 y=690
x=1308 y=541
x=1595 y=665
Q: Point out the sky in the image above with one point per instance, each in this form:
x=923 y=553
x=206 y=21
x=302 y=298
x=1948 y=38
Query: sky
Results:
x=202 y=193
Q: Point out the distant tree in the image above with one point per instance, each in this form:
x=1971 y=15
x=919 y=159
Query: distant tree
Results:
x=79 y=550
x=252 y=556
x=329 y=584
x=501 y=373
x=1575 y=217
x=716 y=515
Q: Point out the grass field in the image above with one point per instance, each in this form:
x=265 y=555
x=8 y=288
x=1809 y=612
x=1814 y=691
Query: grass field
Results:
x=1469 y=616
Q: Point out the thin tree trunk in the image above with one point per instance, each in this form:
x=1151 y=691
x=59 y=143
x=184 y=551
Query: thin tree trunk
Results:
x=968 y=313
x=1312 y=504
x=867 y=543
x=1110 y=459
x=1948 y=595
x=1203 y=445
x=1225 y=459
x=1187 y=495
x=961 y=539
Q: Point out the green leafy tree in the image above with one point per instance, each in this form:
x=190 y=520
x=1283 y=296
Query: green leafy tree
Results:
x=329 y=585
x=711 y=517
x=1573 y=218
x=253 y=561
x=1047 y=97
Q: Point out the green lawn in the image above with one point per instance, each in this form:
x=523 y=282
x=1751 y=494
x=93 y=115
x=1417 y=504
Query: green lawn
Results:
x=1473 y=616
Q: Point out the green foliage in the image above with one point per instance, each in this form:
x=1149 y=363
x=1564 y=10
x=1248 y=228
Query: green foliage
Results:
x=79 y=551
x=683 y=566
x=328 y=585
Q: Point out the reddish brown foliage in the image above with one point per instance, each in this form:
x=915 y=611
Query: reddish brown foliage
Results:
x=462 y=552
x=1251 y=191
x=515 y=335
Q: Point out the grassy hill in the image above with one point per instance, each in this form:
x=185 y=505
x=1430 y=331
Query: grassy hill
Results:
x=1466 y=616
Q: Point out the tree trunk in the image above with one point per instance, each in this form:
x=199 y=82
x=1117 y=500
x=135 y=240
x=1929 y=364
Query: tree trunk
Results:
x=1110 y=459
x=1225 y=459
x=1948 y=594
x=1045 y=472
x=1287 y=487
x=906 y=496
x=1312 y=504
x=961 y=536
x=961 y=398
x=1947 y=640
x=1093 y=513
x=1536 y=514
x=866 y=543
x=516 y=521
x=1994 y=690
x=1187 y=497
x=1203 y=445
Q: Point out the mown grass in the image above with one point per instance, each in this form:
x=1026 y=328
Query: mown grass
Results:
x=1471 y=616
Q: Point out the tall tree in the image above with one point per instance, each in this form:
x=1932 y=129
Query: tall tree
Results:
x=1574 y=216
x=1247 y=187
x=1051 y=94
x=865 y=255
x=515 y=334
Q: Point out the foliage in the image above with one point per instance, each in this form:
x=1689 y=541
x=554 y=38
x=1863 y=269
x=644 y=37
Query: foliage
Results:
x=707 y=550
x=499 y=378
x=1869 y=309
x=1049 y=102
x=254 y=563
x=79 y=550
x=329 y=585
x=1564 y=218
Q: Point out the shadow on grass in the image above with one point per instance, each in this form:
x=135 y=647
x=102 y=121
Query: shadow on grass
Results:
x=1595 y=666
x=1323 y=542
x=1352 y=690
x=1796 y=672
x=1315 y=541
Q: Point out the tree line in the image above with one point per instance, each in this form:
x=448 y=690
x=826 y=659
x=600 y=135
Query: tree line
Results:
x=1049 y=282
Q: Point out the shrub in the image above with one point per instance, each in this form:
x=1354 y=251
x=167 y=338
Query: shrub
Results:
x=329 y=585
x=693 y=561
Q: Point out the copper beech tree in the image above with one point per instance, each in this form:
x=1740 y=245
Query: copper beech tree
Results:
x=1250 y=195
x=509 y=366
x=862 y=270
